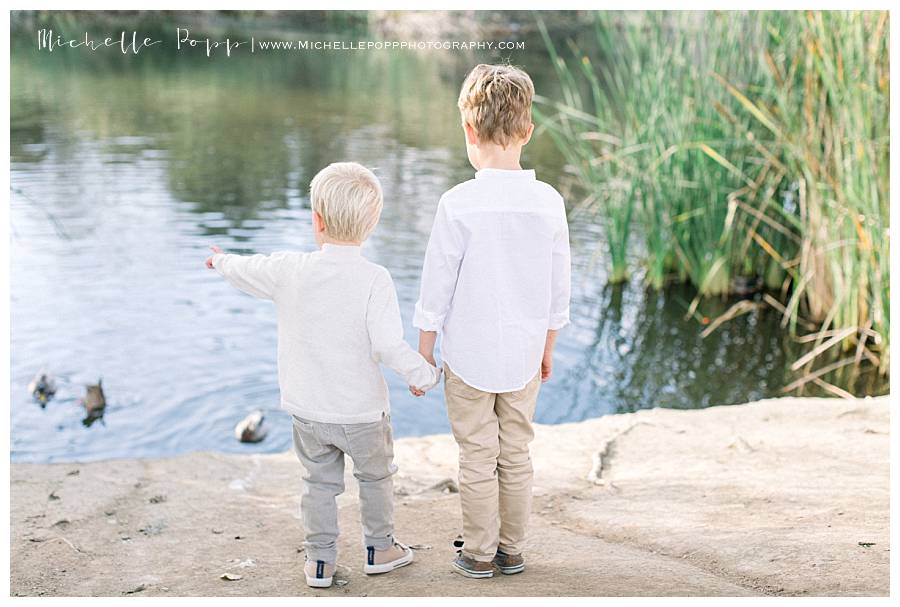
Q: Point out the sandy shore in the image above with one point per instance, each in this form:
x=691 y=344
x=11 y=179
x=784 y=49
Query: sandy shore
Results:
x=787 y=497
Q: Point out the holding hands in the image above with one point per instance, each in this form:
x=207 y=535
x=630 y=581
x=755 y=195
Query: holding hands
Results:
x=427 y=340
x=421 y=391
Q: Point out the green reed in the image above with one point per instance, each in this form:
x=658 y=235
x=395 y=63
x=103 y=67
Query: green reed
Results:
x=825 y=107
x=639 y=124
x=747 y=145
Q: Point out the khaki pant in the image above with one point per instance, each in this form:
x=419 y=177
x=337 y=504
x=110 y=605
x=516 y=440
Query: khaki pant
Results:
x=495 y=474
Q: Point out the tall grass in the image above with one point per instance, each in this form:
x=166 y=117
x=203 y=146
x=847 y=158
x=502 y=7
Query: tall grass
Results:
x=825 y=105
x=740 y=145
x=640 y=126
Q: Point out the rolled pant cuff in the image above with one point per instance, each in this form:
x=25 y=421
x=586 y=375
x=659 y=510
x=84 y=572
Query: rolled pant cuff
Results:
x=381 y=543
x=329 y=556
x=483 y=558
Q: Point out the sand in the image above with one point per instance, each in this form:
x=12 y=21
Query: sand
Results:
x=786 y=496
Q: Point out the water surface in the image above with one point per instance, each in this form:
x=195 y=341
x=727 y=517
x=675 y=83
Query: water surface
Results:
x=124 y=170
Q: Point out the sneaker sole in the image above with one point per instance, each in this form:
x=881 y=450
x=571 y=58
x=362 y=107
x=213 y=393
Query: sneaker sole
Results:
x=476 y=575
x=510 y=570
x=319 y=582
x=388 y=567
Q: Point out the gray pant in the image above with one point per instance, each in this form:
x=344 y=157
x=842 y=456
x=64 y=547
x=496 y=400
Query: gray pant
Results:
x=321 y=448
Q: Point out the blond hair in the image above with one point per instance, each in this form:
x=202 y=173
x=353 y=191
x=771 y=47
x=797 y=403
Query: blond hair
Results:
x=348 y=197
x=495 y=100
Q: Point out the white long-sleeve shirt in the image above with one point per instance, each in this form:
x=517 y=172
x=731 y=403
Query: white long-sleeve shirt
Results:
x=496 y=277
x=338 y=318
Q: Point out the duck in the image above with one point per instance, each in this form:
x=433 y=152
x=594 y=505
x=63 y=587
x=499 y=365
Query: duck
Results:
x=94 y=403
x=42 y=387
x=250 y=429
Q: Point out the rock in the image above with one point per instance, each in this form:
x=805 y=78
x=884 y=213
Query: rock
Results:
x=448 y=485
x=153 y=528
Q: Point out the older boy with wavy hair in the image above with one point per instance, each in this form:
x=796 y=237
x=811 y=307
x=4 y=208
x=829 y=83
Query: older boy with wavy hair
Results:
x=495 y=283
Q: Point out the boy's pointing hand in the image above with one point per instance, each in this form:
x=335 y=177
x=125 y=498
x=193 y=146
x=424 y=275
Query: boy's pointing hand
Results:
x=215 y=250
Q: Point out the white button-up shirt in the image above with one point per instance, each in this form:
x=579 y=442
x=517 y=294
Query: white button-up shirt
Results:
x=338 y=318
x=496 y=277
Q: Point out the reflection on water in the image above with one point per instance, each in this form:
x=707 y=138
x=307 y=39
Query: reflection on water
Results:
x=124 y=172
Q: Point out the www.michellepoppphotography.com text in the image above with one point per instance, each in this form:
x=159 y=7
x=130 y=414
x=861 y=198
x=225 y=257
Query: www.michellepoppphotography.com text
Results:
x=132 y=43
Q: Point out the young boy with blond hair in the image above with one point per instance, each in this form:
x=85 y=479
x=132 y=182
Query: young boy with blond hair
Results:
x=338 y=319
x=495 y=284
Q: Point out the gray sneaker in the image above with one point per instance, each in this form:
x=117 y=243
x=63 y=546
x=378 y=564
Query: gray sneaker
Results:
x=383 y=561
x=509 y=564
x=469 y=567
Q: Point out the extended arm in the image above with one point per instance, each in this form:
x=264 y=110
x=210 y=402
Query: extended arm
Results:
x=253 y=274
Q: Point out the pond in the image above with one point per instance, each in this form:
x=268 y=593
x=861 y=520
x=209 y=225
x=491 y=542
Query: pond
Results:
x=125 y=169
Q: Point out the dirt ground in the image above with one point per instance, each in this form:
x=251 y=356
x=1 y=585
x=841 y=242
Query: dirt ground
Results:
x=780 y=497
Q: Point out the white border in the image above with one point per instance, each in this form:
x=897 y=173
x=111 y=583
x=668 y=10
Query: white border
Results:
x=398 y=5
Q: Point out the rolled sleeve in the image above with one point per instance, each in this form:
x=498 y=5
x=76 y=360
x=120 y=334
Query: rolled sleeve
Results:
x=559 y=320
x=426 y=321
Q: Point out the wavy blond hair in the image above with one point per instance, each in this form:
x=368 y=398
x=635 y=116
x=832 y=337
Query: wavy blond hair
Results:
x=495 y=100
x=348 y=197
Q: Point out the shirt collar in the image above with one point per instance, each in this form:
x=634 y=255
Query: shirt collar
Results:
x=340 y=251
x=505 y=173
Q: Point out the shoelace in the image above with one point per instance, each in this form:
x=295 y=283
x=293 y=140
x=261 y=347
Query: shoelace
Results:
x=370 y=557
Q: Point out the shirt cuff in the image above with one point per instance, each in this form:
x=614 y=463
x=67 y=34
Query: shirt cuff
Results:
x=217 y=260
x=559 y=320
x=436 y=379
x=426 y=321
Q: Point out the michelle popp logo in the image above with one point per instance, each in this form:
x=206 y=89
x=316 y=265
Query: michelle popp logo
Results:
x=132 y=43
